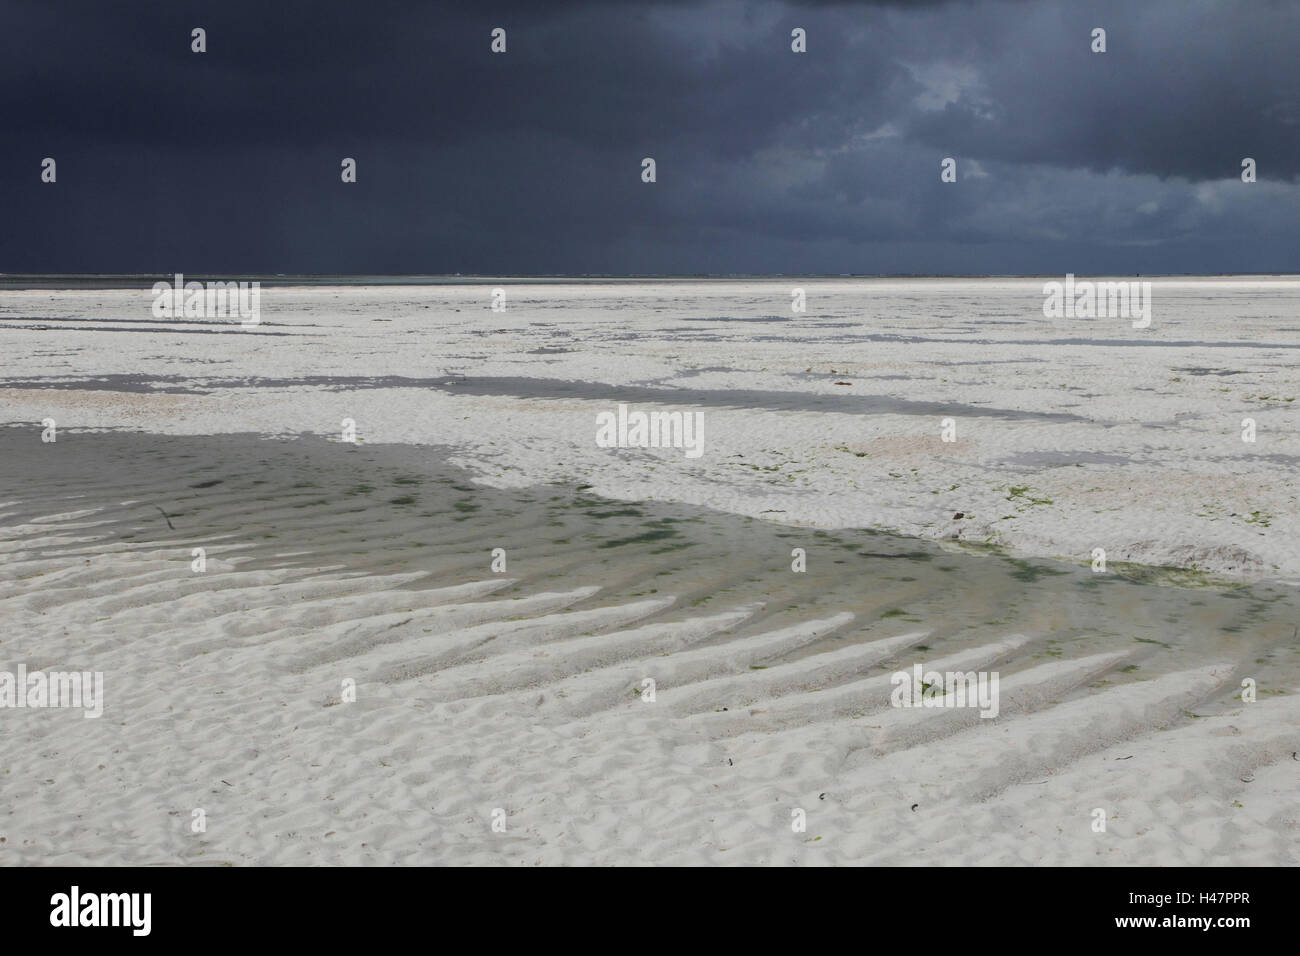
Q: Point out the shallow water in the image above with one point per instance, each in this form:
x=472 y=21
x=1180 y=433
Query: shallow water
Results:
x=307 y=504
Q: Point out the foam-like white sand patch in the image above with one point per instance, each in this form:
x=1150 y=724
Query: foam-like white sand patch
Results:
x=1072 y=434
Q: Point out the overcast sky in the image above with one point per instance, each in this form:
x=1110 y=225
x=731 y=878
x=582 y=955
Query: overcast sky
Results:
x=768 y=161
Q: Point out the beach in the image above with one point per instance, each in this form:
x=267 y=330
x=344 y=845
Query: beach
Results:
x=430 y=599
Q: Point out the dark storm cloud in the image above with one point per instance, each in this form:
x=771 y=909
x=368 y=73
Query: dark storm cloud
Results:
x=1184 y=89
x=768 y=161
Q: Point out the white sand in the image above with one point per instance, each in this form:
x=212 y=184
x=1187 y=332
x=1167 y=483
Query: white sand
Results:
x=1154 y=470
x=223 y=688
x=221 y=698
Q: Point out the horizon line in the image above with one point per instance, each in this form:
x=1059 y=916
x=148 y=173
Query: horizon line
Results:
x=9 y=279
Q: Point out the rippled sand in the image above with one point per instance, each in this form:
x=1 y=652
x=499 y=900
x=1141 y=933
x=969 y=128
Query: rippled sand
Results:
x=523 y=691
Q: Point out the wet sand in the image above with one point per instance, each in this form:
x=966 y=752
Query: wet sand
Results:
x=1070 y=434
x=522 y=690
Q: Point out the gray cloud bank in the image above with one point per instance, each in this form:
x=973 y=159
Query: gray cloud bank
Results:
x=768 y=161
